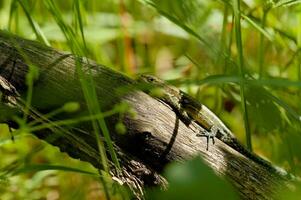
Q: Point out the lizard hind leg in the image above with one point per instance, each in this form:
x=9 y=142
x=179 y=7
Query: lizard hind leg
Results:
x=209 y=135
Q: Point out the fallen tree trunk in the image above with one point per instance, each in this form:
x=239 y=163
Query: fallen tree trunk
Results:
x=155 y=137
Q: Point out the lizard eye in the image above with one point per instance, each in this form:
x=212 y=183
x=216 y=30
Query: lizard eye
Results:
x=151 y=79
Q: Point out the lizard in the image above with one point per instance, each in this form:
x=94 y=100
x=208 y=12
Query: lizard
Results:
x=190 y=109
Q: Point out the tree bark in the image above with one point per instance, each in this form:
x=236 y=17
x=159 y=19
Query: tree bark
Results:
x=154 y=138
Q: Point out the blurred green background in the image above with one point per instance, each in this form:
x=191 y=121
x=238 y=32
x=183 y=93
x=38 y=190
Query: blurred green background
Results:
x=204 y=47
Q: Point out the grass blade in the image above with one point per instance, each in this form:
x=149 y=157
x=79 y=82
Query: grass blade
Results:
x=43 y=167
x=286 y=3
x=257 y=27
x=34 y=25
x=237 y=17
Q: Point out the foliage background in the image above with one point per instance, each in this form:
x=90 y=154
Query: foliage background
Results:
x=242 y=61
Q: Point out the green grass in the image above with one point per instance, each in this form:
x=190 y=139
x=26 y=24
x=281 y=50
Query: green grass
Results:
x=239 y=46
x=240 y=58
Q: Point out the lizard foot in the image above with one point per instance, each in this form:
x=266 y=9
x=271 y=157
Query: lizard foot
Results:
x=208 y=135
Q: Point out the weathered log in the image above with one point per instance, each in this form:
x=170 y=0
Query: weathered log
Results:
x=155 y=137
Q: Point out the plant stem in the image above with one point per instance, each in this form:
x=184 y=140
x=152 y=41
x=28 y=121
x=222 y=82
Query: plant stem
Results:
x=261 y=45
x=237 y=16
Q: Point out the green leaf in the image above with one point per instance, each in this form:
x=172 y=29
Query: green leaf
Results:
x=275 y=82
x=191 y=17
x=193 y=180
x=262 y=109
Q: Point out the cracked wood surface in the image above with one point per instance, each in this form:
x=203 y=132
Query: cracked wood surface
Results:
x=155 y=137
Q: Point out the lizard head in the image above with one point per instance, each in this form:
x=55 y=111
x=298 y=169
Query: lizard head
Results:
x=152 y=85
x=146 y=78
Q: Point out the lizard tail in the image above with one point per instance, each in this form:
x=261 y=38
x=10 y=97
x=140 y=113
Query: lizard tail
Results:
x=235 y=144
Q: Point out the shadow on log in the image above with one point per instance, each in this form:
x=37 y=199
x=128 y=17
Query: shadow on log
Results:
x=155 y=137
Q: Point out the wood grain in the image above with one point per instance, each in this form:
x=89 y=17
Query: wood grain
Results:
x=155 y=137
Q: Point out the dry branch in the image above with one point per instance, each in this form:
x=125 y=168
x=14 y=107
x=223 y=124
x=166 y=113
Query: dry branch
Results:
x=154 y=138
